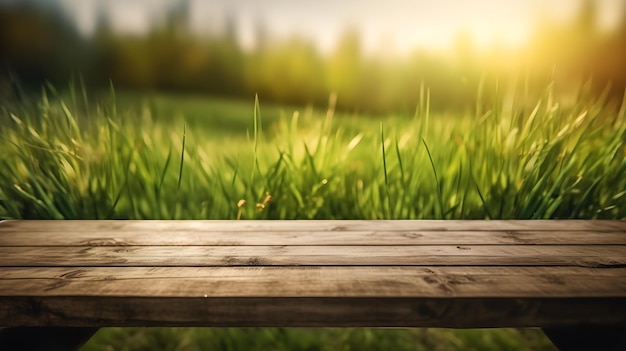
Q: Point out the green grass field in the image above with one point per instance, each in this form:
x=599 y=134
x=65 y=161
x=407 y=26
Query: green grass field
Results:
x=179 y=157
x=191 y=158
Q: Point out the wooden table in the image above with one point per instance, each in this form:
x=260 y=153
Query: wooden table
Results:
x=562 y=276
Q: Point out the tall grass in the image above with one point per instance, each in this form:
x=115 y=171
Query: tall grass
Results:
x=69 y=159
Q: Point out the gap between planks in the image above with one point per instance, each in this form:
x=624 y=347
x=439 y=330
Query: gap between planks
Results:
x=313 y=225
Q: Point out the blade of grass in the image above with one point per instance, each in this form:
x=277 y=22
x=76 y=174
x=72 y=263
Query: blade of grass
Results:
x=432 y=163
x=50 y=207
x=182 y=156
x=256 y=127
x=402 y=179
x=382 y=142
x=165 y=167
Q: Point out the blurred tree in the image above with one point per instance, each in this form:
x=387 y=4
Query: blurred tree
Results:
x=227 y=61
x=253 y=75
x=39 y=42
x=610 y=60
x=345 y=69
x=291 y=71
x=102 y=49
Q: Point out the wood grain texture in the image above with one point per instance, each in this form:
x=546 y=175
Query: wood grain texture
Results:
x=216 y=256
x=310 y=312
x=304 y=238
x=434 y=282
x=312 y=273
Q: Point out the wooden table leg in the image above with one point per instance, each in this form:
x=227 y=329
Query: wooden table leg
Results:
x=588 y=337
x=44 y=338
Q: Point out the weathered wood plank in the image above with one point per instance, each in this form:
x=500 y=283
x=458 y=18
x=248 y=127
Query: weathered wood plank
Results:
x=309 y=312
x=304 y=238
x=318 y=225
x=99 y=273
x=312 y=273
x=282 y=282
x=523 y=255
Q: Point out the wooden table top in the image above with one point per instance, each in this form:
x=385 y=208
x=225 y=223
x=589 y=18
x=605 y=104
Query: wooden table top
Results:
x=457 y=274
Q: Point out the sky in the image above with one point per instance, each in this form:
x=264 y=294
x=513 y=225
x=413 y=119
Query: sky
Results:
x=396 y=25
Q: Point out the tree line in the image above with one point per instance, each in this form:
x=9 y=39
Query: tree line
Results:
x=42 y=44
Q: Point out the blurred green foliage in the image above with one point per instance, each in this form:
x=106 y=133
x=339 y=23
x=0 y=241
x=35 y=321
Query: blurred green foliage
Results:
x=39 y=43
x=327 y=339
